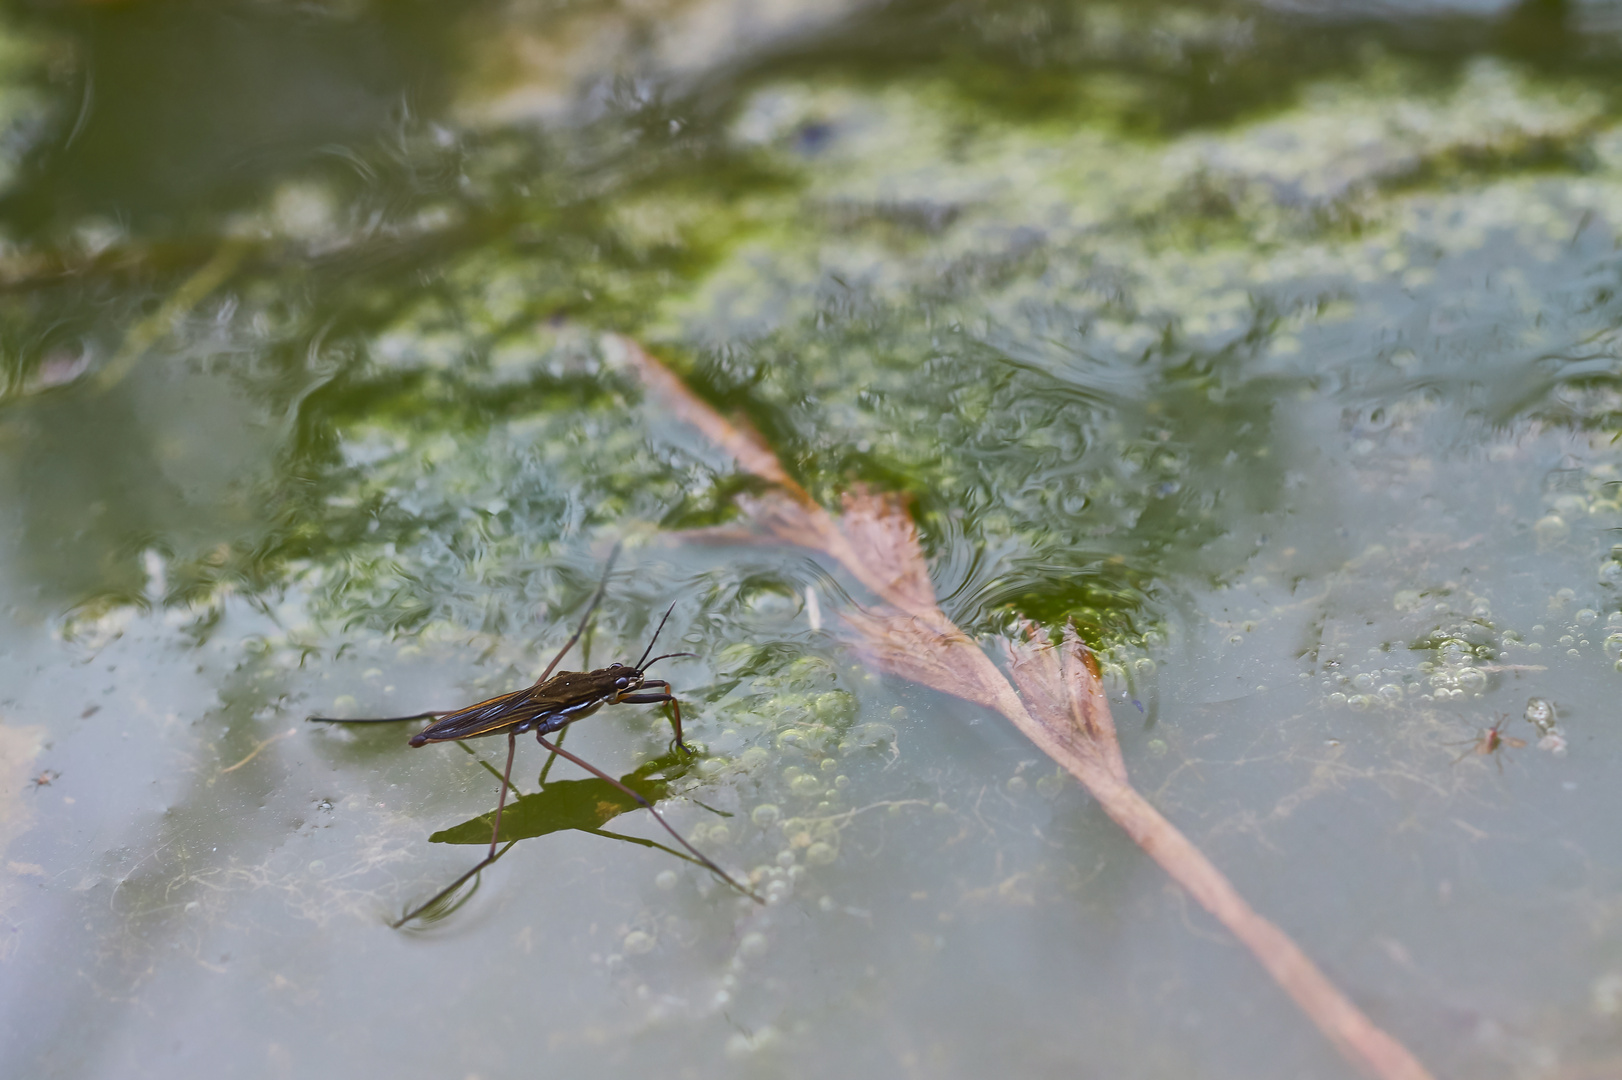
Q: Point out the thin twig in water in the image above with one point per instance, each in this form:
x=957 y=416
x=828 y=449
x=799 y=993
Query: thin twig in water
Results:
x=255 y=751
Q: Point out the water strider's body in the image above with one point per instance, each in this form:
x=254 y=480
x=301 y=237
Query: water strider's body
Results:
x=554 y=703
x=550 y=704
x=1491 y=741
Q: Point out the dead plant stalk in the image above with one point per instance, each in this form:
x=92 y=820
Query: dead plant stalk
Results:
x=1059 y=703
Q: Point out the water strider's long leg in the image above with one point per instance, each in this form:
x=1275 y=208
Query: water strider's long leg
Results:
x=434 y=714
x=550 y=758
x=506 y=781
x=645 y=842
x=649 y=699
x=596 y=598
x=697 y=854
x=427 y=714
x=447 y=890
x=487 y=767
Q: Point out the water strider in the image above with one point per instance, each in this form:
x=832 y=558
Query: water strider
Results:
x=1492 y=741
x=550 y=704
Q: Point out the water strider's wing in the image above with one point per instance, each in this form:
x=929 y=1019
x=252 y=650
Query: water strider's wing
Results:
x=568 y=694
x=485 y=718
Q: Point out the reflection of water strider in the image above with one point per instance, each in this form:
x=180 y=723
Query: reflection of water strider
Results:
x=550 y=704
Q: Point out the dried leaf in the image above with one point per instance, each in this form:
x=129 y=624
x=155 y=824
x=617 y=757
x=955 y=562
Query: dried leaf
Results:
x=1063 y=693
x=913 y=648
x=743 y=444
x=883 y=540
x=1060 y=704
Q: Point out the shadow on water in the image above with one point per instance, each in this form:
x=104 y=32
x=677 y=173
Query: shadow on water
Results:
x=585 y=805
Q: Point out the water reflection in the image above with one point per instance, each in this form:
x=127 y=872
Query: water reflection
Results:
x=585 y=805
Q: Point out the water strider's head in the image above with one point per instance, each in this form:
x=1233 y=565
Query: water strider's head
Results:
x=626 y=677
x=629 y=677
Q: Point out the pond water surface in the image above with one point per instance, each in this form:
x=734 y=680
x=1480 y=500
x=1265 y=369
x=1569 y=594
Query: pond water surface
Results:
x=1278 y=347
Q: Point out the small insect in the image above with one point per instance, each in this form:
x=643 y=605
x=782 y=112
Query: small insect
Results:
x=550 y=704
x=44 y=779
x=1491 y=741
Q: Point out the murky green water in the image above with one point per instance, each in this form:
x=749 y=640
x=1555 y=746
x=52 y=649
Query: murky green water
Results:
x=1278 y=348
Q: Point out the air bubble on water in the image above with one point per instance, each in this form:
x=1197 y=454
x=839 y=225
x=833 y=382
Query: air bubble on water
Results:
x=1363 y=680
x=1455 y=652
x=666 y=880
x=637 y=942
x=1571 y=504
x=1540 y=714
x=1586 y=616
x=765 y=815
x=1551 y=529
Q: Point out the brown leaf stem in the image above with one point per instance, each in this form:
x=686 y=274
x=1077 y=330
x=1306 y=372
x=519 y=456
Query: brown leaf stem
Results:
x=1059 y=704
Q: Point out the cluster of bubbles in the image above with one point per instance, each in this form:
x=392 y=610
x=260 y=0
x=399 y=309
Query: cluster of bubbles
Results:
x=1540 y=714
x=1466 y=650
x=801 y=727
x=1458 y=645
